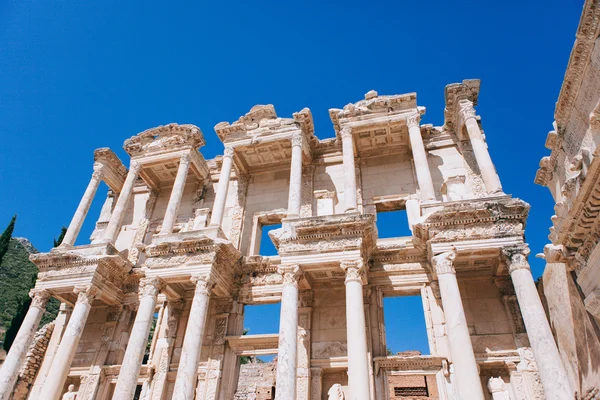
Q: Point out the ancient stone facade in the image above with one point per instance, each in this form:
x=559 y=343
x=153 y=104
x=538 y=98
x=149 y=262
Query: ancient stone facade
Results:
x=177 y=247
x=571 y=279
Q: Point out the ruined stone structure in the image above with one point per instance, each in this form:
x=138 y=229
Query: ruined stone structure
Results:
x=177 y=245
x=571 y=279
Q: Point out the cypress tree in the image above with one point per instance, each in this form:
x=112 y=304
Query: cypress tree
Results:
x=5 y=237
x=58 y=241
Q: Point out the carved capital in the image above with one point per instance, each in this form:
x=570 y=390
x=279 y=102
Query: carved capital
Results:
x=496 y=385
x=39 y=298
x=354 y=270
x=346 y=132
x=291 y=274
x=98 y=173
x=413 y=120
x=297 y=139
x=444 y=262
x=150 y=287
x=516 y=257
x=204 y=283
x=134 y=167
x=185 y=159
x=228 y=152
x=86 y=294
x=465 y=110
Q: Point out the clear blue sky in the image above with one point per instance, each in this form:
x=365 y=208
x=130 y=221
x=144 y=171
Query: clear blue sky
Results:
x=75 y=76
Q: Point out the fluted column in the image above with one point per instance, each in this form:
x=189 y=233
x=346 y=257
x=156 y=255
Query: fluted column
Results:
x=482 y=155
x=288 y=327
x=138 y=339
x=116 y=218
x=18 y=350
x=349 y=170
x=221 y=196
x=552 y=372
x=356 y=330
x=295 y=193
x=176 y=194
x=420 y=157
x=83 y=207
x=187 y=372
x=461 y=349
x=497 y=388
x=63 y=358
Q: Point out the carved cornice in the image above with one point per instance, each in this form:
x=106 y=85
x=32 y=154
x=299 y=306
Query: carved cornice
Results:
x=167 y=137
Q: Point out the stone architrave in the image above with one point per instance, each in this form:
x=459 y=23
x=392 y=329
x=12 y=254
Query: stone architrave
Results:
x=288 y=327
x=552 y=373
x=461 y=348
x=187 y=372
x=16 y=355
x=356 y=329
x=59 y=371
x=222 y=188
x=295 y=192
x=349 y=170
x=138 y=339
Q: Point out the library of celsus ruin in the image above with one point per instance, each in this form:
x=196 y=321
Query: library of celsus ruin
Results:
x=153 y=306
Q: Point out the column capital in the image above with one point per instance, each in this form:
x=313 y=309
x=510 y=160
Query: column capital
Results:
x=99 y=170
x=466 y=110
x=496 y=385
x=39 y=298
x=291 y=274
x=86 y=293
x=228 y=152
x=150 y=287
x=297 y=138
x=413 y=120
x=444 y=262
x=135 y=167
x=354 y=270
x=346 y=132
x=204 y=283
x=185 y=159
x=516 y=257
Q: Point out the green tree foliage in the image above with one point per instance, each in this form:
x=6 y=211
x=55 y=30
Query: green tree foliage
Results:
x=6 y=236
x=58 y=241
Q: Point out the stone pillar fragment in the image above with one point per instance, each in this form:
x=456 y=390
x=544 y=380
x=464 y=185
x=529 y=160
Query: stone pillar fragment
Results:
x=18 y=350
x=288 y=327
x=420 y=157
x=349 y=170
x=116 y=218
x=61 y=365
x=552 y=372
x=138 y=340
x=176 y=194
x=482 y=155
x=222 y=188
x=497 y=388
x=461 y=349
x=83 y=207
x=356 y=328
x=187 y=372
x=295 y=193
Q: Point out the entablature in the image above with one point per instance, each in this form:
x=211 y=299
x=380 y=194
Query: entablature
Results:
x=113 y=172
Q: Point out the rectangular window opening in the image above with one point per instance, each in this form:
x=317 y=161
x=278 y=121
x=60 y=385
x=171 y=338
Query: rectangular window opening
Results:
x=267 y=248
x=392 y=224
x=257 y=378
x=261 y=319
x=405 y=329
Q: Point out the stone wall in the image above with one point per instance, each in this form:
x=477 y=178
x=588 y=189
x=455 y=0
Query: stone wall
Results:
x=408 y=387
x=256 y=381
x=33 y=361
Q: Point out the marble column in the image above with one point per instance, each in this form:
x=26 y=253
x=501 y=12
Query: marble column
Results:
x=349 y=170
x=356 y=330
x=83 y=207
x=187 y=372
x=18 y=350
x=295 y=193
x=288 y=327
x=176 y=194
x=420 y=157
x=116 y=218
x=497 y=388
x=138 y=339
x=221 y=196
x=480 y=150
x=552 y=372
x=61 y=365
x=461 y=349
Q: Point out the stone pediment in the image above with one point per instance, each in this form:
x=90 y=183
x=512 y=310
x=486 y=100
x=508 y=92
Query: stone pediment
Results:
x=261 y=120
x=163 y=139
